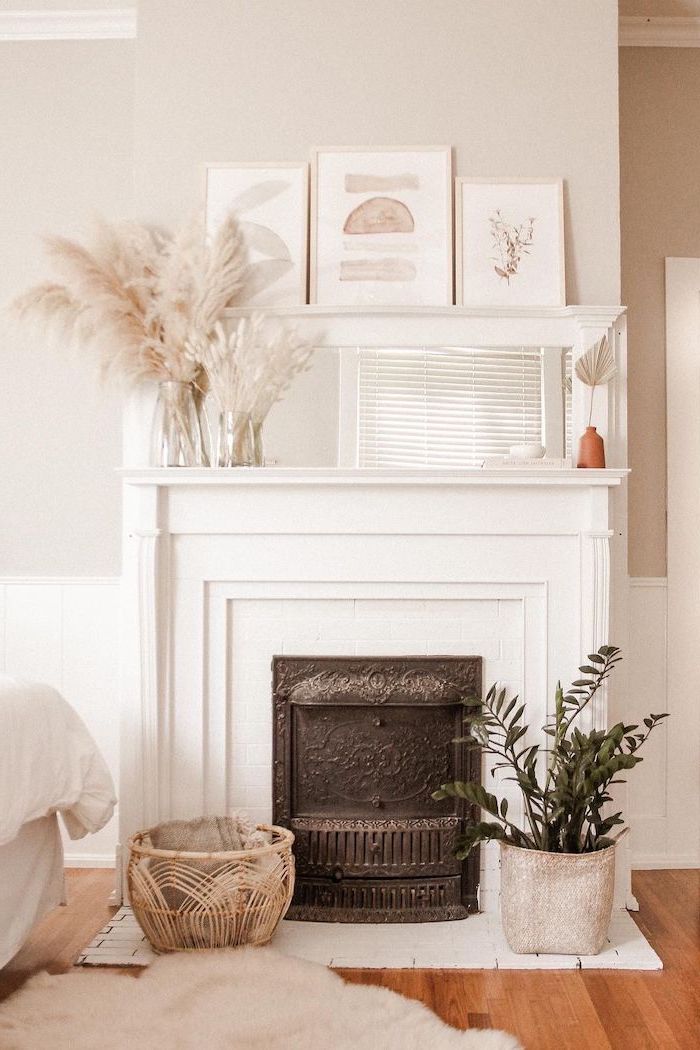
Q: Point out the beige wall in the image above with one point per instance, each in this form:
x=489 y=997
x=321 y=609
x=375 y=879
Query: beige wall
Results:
x=518 y=88
x=66 y=118
x=660 y=201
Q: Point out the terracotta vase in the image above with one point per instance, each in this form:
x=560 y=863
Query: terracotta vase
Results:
x=591 y=450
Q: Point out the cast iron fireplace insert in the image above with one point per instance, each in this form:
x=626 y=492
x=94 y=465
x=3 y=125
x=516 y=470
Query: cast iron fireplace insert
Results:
x=359 y=745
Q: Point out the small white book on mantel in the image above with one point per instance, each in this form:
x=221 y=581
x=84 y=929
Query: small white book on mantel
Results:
x=516 y=463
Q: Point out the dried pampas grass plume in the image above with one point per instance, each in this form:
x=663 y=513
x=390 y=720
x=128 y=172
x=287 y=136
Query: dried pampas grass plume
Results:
x=136 y=298
x=250 y=368
x=596 y=368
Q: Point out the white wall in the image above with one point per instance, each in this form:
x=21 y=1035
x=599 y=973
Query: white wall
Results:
x=246 y=80
x=517 y=88
x=66 y=115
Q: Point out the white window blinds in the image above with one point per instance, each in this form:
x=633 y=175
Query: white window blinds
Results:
x=446 y=406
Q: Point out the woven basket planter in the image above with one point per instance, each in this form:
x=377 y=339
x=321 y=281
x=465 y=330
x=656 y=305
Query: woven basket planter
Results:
x=558 y=903
x=188 y=901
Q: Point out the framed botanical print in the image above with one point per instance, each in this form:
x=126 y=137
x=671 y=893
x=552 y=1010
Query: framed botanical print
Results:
x=509 y=242
x=271 y=202
x=381 y=226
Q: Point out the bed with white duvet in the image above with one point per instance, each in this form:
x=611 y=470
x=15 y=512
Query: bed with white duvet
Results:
x=49 y=764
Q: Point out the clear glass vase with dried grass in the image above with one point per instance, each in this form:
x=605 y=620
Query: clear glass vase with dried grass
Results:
x=135 y=300
x=248 y=370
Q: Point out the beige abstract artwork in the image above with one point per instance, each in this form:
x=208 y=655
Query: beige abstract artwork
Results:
x=381 y=227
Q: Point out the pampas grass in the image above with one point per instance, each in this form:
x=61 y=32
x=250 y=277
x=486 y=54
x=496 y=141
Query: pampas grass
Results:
x=596 y=368
x=136 y=299
x=251 y=368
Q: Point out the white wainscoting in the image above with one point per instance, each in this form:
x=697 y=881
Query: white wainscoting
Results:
x=65 y=631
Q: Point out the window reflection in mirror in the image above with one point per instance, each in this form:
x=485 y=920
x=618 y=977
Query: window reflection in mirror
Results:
x=433 y=406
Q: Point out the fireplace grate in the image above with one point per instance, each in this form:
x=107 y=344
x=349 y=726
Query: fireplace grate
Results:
x=359 y=747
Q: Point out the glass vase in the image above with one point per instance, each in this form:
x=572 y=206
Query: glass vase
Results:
x=235 y=446
x=176 y=434
x=258 y=448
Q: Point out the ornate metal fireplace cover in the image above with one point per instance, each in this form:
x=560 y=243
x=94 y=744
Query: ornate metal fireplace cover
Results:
x=359 y=746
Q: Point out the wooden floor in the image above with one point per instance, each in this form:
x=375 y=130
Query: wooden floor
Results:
x=547 y=1010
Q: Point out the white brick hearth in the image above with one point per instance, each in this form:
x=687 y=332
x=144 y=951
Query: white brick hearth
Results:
x=476 y=943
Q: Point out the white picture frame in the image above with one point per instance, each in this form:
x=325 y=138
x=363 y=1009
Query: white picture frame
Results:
x=272 y=203
x=509 y=242
x=381 y=226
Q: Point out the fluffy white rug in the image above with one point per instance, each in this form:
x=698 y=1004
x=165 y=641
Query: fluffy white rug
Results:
x=252 y=998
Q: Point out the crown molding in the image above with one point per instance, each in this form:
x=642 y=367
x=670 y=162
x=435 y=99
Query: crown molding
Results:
x=638 y=31
x=96 y=24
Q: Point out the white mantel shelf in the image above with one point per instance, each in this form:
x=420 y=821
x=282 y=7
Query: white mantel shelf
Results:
x=280 y=476
x=591 y=313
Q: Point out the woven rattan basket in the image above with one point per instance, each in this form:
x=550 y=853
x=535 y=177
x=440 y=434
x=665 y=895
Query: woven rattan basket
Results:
x=187 y=901
x=557 y=903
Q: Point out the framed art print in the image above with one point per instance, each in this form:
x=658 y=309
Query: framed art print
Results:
x=510 y=242
x=381 y=226
x=271 y=202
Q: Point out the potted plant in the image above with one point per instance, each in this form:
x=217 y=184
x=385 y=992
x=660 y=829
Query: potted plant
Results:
x=558 y=866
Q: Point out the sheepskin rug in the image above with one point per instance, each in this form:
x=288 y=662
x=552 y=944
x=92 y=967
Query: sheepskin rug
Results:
x=252 y=998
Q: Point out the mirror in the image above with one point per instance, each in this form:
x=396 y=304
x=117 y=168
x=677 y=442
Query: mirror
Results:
x=431 y=406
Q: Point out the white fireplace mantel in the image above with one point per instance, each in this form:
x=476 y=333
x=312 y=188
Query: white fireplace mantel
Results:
x=226 y=568
x=282 y=476
x=223 y=569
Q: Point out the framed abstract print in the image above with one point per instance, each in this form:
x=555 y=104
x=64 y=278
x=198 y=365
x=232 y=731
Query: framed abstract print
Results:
x=381 y=226
x=271 y=202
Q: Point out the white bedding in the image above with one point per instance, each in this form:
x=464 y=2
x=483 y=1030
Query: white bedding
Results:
x=49 y=763
x=31 y=882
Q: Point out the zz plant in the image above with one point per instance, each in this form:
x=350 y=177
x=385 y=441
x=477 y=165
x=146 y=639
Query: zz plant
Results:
x=565 y=786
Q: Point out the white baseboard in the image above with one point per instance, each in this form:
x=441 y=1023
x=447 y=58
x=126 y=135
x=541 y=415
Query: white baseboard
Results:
x=654 y=862
x=87 y=860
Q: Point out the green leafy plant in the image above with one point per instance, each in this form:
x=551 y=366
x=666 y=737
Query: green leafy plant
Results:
x=565 y=787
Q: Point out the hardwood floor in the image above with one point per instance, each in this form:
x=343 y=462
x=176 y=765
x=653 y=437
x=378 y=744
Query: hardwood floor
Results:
x=547 y=1010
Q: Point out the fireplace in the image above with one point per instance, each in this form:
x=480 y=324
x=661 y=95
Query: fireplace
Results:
x=359 y=745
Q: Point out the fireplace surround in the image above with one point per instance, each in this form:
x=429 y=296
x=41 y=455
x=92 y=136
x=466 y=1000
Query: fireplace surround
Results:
x=224 y=569
x=359 y=746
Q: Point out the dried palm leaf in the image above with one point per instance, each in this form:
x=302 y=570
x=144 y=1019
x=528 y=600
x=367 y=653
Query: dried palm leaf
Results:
x=596 y=368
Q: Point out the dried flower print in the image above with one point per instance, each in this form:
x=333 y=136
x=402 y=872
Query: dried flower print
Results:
x=510 y=242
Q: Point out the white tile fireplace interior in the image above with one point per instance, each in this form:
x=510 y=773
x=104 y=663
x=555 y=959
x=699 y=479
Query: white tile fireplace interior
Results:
x=259 y=629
